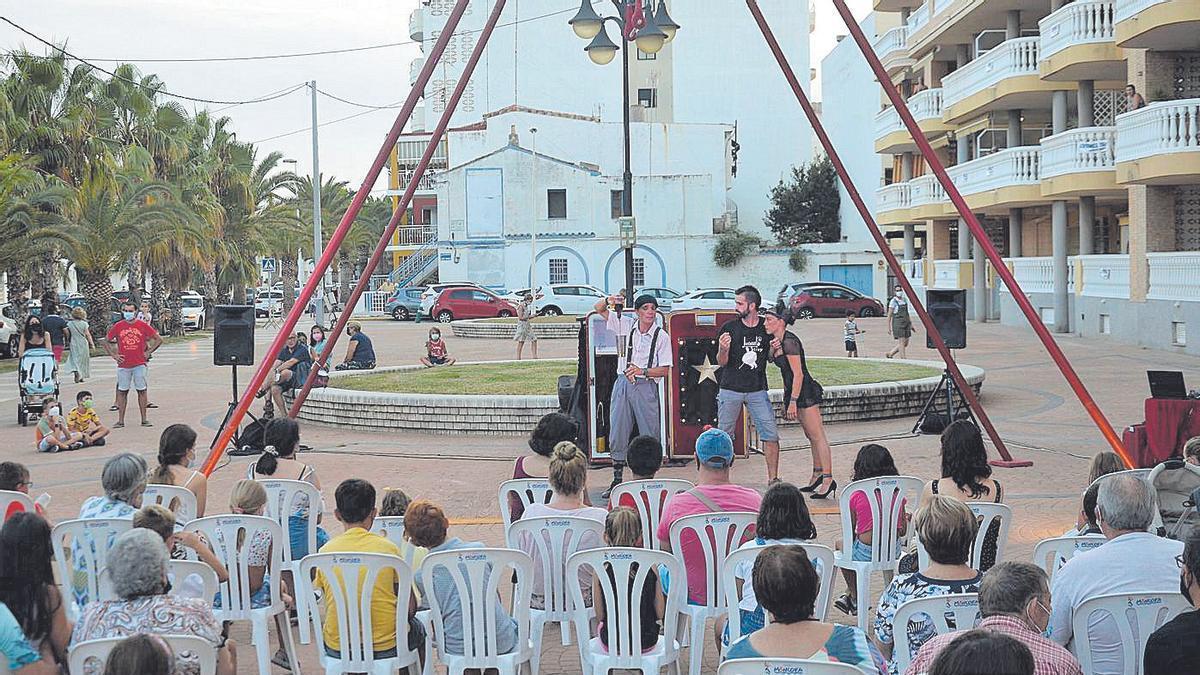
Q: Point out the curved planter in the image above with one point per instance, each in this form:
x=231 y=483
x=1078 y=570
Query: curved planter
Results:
x=507 y=415
x=497 y=330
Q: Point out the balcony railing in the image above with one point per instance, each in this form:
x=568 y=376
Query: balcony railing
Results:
x=414 y=235
x=920 y=16
x=1079 y=151
x=1159 y=128
x=1011 y=58
x=891 y=197
x=1127 y=9
x=926 y=190
x=1173 y=276
x=416 y=25
x=924 y=105
x=1081 y=22
x=1105 y=276
x=414 y=69
x=886 y=122
x=1033 y=275
x=952 y=274
x=1006 y=168
x=893 y=41
x=914 y=271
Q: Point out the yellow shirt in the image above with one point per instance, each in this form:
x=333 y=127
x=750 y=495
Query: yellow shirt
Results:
x=383 y=601
x=80 y=419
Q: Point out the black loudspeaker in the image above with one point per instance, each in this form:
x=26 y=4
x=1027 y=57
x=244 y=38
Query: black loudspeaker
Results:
x=948 y=311
x=233 y=340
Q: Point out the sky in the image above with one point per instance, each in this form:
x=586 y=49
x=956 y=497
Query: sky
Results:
x=138 y=31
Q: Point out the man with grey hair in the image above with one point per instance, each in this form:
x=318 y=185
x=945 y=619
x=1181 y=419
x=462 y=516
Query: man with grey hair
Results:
x=137 y=565
x=1014 y=599
x=1132 y=560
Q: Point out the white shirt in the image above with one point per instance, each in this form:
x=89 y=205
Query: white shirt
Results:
x=1138 y=562
x=622 y=326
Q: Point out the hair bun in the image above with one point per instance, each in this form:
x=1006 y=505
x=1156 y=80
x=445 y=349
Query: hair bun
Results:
x=565 y=451
x=270 y=450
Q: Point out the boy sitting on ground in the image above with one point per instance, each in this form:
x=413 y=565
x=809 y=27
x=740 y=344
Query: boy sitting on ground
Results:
x=84 y=420
x=52 y=433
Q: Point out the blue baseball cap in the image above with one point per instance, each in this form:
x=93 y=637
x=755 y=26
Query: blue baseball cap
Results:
x=714 y=449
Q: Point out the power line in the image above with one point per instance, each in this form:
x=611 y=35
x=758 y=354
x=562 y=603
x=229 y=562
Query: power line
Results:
x=358 y=105
x=323 y=124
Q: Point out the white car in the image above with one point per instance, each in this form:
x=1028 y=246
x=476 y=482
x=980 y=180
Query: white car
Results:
x=192 y=313
x=267 y=303
x=706 y=298
x=431 y=293
x=577 y=299
x=10 y=340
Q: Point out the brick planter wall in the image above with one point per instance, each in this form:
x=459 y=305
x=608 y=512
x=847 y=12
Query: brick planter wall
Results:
x=482 y=328
x=501 y=415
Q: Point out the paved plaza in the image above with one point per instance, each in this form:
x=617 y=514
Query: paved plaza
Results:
x=1029 y=402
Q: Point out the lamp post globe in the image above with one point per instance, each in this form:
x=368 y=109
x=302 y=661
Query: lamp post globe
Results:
x=586 y=23
x=664 y=22
x=650 y=38
x=601 y=50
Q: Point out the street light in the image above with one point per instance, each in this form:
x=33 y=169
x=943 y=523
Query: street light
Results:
x=658 y=29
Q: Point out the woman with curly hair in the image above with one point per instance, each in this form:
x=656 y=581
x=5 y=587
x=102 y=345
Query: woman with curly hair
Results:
x=551 y=429
x=966 y=476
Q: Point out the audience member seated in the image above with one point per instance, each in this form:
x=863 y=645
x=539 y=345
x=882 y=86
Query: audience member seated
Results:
x=395 y=503
x=84 y=420
x=947 y=529
x=51 y=432
x=568 y=480
x=356 y=512
x=14 y=477
x=1171 y=650
x=551 y=429
x=425 y=524
x=140 y=655
x=1103 y=463
x=278 y=461
x=786 y=584
x=713 y=493
x=783 y=519
x=176 y=455
x=159 y=520
x=1014 y=599
x=984 y=652
x=137 y=564
x=1087 y=515
x=1132 y=560
x=623 y=527
x=124 y=480
x=644 y=458
x=16 y=653
x=27 y=586
x=872 y=461
x=1191 y=450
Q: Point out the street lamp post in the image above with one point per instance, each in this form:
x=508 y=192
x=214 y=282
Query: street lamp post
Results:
x=649 y=30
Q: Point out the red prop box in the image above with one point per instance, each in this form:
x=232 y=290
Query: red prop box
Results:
x=692 y=394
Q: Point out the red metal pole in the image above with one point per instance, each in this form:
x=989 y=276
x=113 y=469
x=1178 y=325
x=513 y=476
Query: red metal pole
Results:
x=402 y=206
x=335 y=241
x=981 y=239
x=884 y=248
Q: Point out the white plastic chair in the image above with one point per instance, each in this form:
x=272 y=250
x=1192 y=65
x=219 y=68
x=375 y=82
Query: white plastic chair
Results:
x=176 y=499
x=282 y=498
x=9 y=497
x=893 y=491
x=650 y=497
x=821 y=557
x=1051 y=554
x=222 y=532
x=182 y=569
x=985 y=513
x=963 y=608
x=622 y=591
x=528 y=490
x=392 y=528
x=1148 y=610
x=550 y=541
x=476 y=574
x=87 y=533
x=350 y=579
x=718 y=534
x=768 y=666
x=189 y=646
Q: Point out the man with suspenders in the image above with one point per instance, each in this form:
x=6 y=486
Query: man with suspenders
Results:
x=643 y=357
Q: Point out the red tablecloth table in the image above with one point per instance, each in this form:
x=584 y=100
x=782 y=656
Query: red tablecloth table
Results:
x=1169 y=424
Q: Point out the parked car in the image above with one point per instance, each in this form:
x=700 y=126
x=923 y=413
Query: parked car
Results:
x=577 y=299
x=267 y=303
x=518 y=295
x=470 y=302
x=404 y=303
x=431 y=293
x=789 y=291
x=665 y=296
x=191 y=315
x=833 y=301
x=10 y=339
x=706 y=298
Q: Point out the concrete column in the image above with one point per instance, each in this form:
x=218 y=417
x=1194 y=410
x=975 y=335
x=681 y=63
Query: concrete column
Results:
x=1086 y=103
x=1012 y=25
x=910 y=242
x=1013 y=135
x=906 y=166
x=1014 y=233
x=1058 y=228
x=1087 y=219
x=1058 y=112
x=962 y=55
x=964 y=240
x=904 y=13
x=962 y=148
x=980 y=290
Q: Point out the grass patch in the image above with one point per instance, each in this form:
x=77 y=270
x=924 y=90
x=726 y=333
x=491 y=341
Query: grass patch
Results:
x=533 y=378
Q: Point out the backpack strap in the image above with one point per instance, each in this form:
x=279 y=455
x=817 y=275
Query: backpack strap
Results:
x=704 y=499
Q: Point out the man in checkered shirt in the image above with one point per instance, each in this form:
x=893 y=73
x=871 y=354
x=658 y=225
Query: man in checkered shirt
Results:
x=1014 y=599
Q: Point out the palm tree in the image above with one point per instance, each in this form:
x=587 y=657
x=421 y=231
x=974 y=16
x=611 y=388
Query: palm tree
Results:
x=28 y=201
x=335 y=199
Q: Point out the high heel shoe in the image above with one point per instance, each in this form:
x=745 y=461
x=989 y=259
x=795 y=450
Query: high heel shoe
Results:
x=815 y=484
x=826 y=494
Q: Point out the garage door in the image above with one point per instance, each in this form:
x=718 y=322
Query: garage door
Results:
x=858 y=277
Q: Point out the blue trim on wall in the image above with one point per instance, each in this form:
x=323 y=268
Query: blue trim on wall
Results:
x=587 y=273
x=661 y=265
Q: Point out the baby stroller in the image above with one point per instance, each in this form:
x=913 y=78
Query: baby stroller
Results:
x=1177 y=486
x=37 y=378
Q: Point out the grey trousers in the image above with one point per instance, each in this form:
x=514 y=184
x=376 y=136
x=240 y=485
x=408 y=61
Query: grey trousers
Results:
x=637 y=400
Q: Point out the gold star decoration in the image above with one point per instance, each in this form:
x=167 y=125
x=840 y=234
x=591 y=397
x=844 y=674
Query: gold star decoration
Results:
x=707 y=370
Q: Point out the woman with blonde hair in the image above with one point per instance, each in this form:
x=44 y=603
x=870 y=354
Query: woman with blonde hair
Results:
x=79 y=354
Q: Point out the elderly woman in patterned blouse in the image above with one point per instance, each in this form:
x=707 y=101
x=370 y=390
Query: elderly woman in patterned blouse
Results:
x=124 y=482
x=137 y=564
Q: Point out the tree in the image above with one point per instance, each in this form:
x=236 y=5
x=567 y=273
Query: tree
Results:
x=804 y=209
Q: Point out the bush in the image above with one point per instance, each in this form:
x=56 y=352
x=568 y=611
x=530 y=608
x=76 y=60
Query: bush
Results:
x=732 y=246
x=798 y=260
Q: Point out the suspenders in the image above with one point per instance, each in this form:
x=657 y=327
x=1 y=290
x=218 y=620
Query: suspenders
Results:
x=653 y=344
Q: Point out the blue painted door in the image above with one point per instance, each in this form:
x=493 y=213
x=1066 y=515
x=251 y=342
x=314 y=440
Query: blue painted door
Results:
x=858 y=277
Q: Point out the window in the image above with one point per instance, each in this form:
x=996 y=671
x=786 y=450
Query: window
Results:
x=566 y=290
x=461 y=295
x=639 y=272
x=558 y=270
x=615 y=203
x=1105 y=324
x=1179 y=333
x=483 y=296
x=646 y=56
x=556 y=204
x=648 y=98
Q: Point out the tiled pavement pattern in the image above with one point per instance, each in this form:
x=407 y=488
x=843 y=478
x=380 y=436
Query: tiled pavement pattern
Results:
x=1028 y=401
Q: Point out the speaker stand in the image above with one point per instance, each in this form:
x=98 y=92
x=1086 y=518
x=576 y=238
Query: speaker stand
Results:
x=945 y=385
x=237 y=436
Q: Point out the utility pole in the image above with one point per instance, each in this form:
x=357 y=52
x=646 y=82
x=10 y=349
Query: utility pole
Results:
x=533 y=222
x=319 y=296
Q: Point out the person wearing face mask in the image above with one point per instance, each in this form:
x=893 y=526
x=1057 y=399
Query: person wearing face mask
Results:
x=33 y=337
x=1171 y=650
x=1014 y=599
x=360 y=353
x=52 y=432
x=130 y=342
x=83 y=419
x=900 y=325
x=436 y=352
x=176 y=456
x=316 y=342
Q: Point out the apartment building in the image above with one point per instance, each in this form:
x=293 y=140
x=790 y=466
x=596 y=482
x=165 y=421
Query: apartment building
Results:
x=1092 y=198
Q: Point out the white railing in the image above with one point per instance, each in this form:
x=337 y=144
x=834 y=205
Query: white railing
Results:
x=1105 y=276
x=1011 y=58
x=926 y=104
x=1033 y=275
x=1006 y=168
x=1079 y=150
x=414 y=69
x=1174 y=276
x=895 y=40
x=886 y=122
x=891 y=197
x=946 y=273
x=920 y=16
x=914 y=271
x=1127 y=9
x=1159 y=128
x=371 y=303
x=925 y=190
x=414 y=235
x=1081 y=22
x=416 y=24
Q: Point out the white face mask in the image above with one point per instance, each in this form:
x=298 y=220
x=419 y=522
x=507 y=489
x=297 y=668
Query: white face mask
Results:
x=54 y=411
